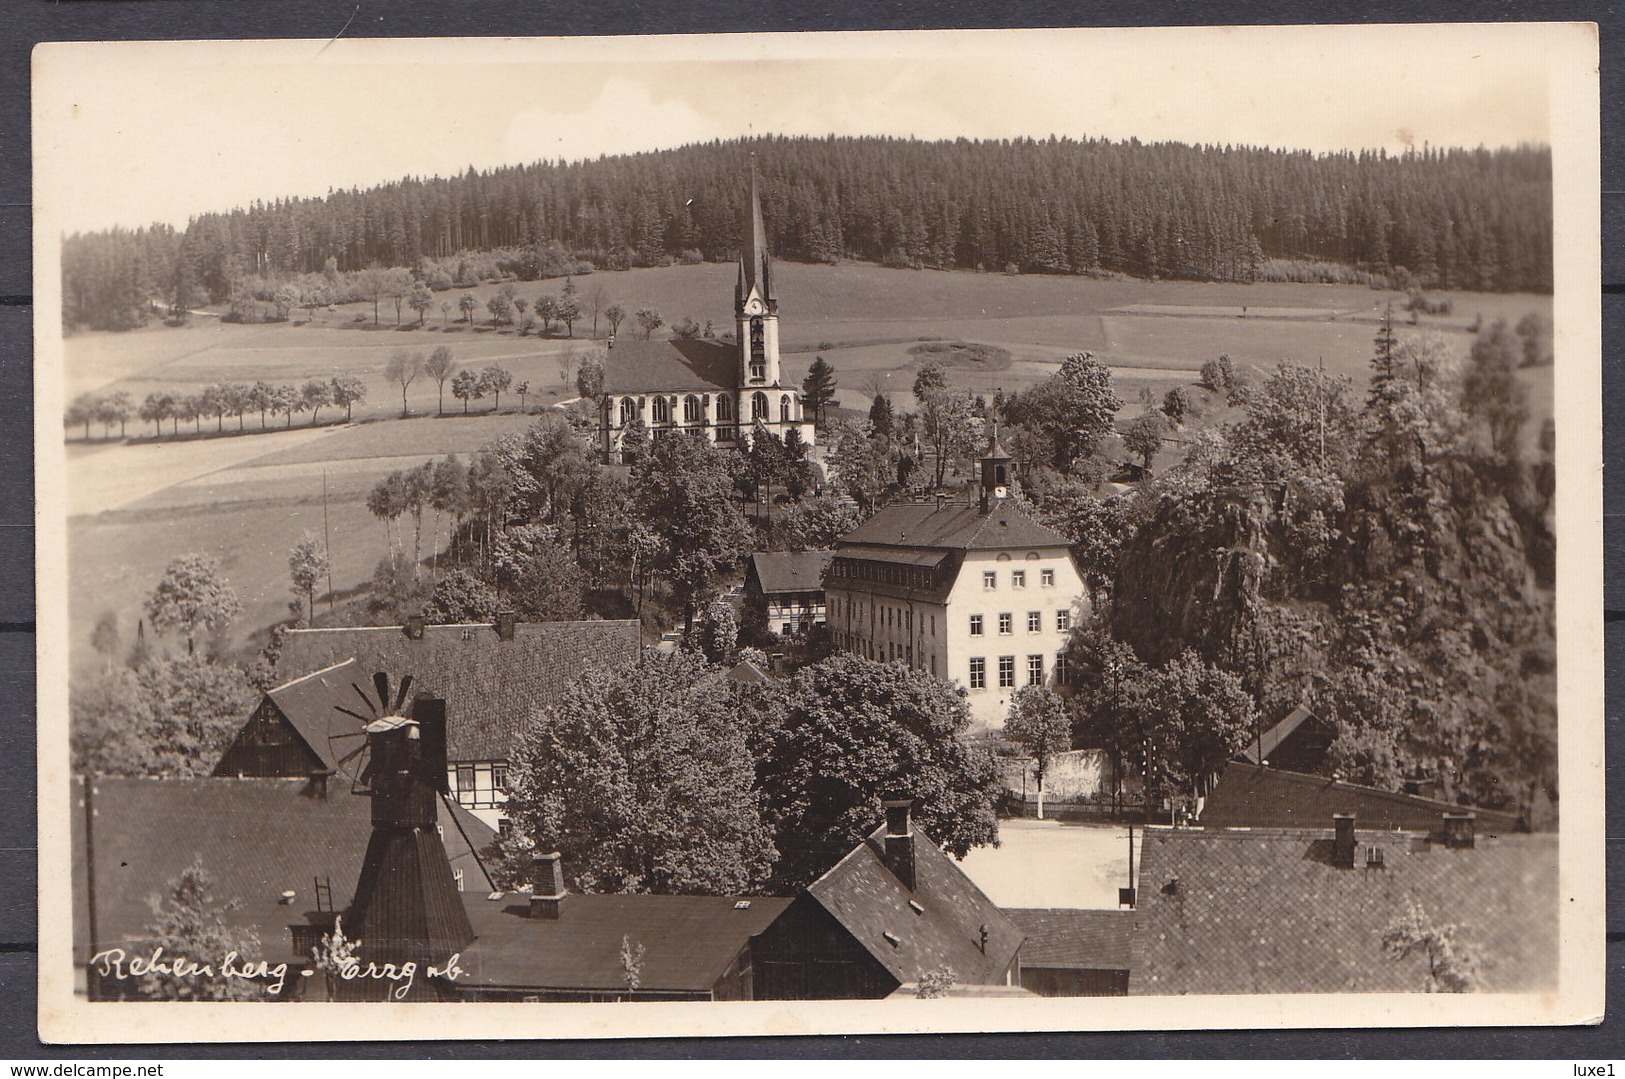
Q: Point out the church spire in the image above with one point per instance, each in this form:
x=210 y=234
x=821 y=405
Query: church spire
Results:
x=754 y=268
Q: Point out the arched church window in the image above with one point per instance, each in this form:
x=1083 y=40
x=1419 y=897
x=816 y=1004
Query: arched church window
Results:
x=784 y=409
x=758 y=405
x=725 y=407
x=662 y=410
x=629 y=409
x=691 y=409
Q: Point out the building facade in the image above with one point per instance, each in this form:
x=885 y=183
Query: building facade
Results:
x=980 y=594
x=785 y=590
x=723 y=390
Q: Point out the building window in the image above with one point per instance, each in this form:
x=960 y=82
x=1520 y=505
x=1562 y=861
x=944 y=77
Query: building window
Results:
x=499 y=777
x=1018 y=578
x=975 y=625
x=691 y=409
x=629 y=408
x=1048 y=577
x=661 y=410
x=787 y=629
x=465 y=779
x=758 y=405
x=1035 y=670
x=1035 y=622
x=1004 y=624
x=978 y=673
x=990 y=579
x=725 y=407
x=1060 y=669
x=1063 y=619
x=784 y=409
x=1007 y=671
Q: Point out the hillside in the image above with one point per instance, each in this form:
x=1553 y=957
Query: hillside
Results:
x=1452 y=219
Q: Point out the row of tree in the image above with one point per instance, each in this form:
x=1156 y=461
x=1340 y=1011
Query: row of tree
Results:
x=1477 y=219
x=217 y=401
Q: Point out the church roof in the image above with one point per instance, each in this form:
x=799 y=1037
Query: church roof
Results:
x=753 y=261
x=671 y=366
x=953 y=526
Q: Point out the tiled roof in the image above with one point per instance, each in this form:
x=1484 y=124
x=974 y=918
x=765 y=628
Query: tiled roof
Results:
x=689 y=941
x=490 y=685
x=790 y=571
x=1075 y=939
x=867 y=899
x=954 y=526
x=1238 y=911
x=1247 y=796
x=256 y=838
x=675 y=365
x=309 y=705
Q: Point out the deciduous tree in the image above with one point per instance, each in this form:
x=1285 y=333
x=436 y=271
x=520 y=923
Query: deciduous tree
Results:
x=853 y=733
x=1040 y=723
x=193 y=595
x=440 y=367
x=307 y=566
x=642 y=779
x=403 y=369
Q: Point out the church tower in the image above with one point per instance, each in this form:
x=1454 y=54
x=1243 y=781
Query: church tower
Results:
x=756 y=310
x=995 y=472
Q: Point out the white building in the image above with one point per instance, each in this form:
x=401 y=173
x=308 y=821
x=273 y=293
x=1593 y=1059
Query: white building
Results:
x=721 y=389
x=981 y=594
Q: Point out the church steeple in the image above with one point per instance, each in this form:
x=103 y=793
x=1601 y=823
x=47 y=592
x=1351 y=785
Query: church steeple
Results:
x=756 y=312
x=755 y=268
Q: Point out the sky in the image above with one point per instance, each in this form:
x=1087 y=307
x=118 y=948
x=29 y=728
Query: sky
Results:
x=133 y=133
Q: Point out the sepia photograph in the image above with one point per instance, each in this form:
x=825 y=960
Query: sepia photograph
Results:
x=828 y=532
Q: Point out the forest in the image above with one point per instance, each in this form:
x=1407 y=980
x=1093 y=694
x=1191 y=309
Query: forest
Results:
x=1452 y=219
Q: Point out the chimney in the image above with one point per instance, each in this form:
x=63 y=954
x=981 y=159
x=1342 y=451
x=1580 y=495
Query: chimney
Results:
x=1343 y=840
x=899 y=855
x=547 y=885
x=1459 y=830
x=413 y=628
x=318 y=784
x=942 y=499
x=505 y=623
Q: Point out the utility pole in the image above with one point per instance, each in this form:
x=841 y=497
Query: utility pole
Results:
x=91 y=984
x=327 y=546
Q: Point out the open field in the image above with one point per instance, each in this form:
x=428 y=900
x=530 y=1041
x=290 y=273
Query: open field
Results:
x=247 y=498
x=1053 y=864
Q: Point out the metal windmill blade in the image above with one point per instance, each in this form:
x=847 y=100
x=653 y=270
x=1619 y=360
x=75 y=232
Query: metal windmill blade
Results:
x=347 y=738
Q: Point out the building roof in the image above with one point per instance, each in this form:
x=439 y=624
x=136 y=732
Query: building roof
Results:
x=1247 y=796
x=790 y=571
x=1238 y=911
x=310 y=703
x=870 y=902
x=754 y=268
x=1075 y=939
x=747 y=673
x=1270 y=740
x=490 y=685
x=952 y=526
x=674 y=365
x=689 y=941
x=255 y=837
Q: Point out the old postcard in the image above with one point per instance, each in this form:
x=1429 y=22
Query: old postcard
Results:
x=895 y=532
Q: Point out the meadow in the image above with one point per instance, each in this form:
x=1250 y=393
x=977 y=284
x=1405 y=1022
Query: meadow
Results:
x=247 y=498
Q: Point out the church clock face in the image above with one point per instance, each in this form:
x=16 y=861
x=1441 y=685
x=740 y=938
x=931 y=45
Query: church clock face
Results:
x=754 y=307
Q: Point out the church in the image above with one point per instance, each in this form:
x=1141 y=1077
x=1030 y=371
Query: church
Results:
x=722 y=389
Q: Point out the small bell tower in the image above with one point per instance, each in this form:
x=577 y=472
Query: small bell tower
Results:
x=756 y=309
x=995 y=471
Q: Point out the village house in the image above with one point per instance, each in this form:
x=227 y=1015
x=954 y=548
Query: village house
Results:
x=493 y=675
x=979 y=593
x=892 y=911
x=785 y=589
x=723 y=390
